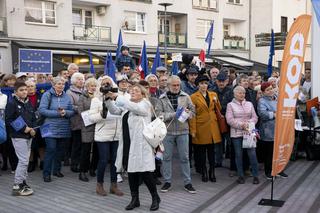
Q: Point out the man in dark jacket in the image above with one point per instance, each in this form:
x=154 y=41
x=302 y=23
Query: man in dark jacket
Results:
x=125 y=58
x=225 y=95
x=20 y=120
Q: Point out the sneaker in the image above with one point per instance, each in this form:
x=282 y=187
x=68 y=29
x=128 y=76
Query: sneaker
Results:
x=256 y=180
x=240 y=180
x=190 y=189
x=25 y=184
x=282 y=174
x=21 y=190
x=166 y=187
x=268 y=176
x=119 y=179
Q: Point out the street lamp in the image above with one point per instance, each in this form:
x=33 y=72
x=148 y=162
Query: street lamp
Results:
x=165 y=4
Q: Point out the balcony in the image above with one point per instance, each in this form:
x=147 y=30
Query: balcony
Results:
x=3 y=27
x=173 y=39
x=91 y=33
x=234 y=43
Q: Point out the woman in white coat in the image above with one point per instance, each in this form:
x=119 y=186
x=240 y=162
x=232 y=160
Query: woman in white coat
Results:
x=134 y=153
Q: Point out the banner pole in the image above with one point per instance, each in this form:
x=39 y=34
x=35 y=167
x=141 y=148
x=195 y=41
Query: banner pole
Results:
x=272 y=189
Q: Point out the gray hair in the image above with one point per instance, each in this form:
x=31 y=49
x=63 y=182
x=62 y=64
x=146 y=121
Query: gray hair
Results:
x=29 y=81
x=238 y=89
x=242 y=76
x=90 y=81
x=73 y=65
x=173 y=78
x=57 y=79
x=151 y=76
x=76 y=76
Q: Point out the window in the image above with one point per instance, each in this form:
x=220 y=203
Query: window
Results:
x=234 y=1
x=205 y=4
x=134 y=21
x=284 y=24
x=203 y=27
x=82 y=17
x=77 y=16
x=88 y=19
x=226 y=30
x=42 y=12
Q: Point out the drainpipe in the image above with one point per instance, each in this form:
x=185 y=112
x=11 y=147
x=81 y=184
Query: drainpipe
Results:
x=250 y=26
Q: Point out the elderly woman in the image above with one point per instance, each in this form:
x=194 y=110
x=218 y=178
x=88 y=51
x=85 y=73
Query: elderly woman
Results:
x=106 y=135
x=38 y=144
x=8 y=80
x=135 y=154
x=204 y=127
x=75 y=91
x=267 y=107
x=240 y=113
x=153 y=85
x=87 y=132
x=57 y=109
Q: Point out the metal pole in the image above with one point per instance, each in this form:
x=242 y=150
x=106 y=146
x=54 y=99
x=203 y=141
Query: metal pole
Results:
x=165 y=36
x=272 y=189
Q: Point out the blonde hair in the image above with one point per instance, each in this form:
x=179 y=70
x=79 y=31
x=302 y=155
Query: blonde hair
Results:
x=143 y=90
x=90 y=81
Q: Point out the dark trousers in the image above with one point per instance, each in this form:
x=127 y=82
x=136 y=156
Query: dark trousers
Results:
x=201 y=152
x=85 y=157
x=94 y=157
x=107 y=150
x=8 y=152
x=76 y=148
x=268 y=154
x=147 y=177
x=232 y=156
x=53 y=155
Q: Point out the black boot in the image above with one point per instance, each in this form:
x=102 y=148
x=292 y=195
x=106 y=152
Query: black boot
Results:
x=135 y=202
x=155 y=202
x=204 y=174
x=212 y=176
x=83 y=177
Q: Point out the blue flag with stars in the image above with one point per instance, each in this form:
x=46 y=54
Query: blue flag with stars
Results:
x=18 y=124
x=35 y=61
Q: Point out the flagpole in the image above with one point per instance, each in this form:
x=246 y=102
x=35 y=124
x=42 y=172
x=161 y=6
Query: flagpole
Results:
x=165 y=4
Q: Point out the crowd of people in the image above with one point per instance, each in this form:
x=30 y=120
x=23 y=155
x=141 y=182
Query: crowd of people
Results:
x=96 y=121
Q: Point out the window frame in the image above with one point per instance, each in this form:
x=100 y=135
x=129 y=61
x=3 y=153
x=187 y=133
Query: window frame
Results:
x=282 y=23
x=236 y=2
x=43 y=13
x=144 y=25
x=206 y=28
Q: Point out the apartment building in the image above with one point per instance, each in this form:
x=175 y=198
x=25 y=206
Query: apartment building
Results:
x=67 y=27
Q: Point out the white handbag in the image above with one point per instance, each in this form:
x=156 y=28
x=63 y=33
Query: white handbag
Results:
x=155 y=131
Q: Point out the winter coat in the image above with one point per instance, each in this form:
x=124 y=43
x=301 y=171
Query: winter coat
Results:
x=204 y=124
x=141 y=155
x=3 y=103
x=87 y=132
x=16 y=108
x=188 y=88
x=74 y=94
x=124 y=59
x=239 y=113
x=225 y=96
x=59 y=126
x=164 y=108
x=106 y=129
x=267 y=106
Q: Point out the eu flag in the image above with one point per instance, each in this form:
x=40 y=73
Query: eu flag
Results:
x=316 y=7
x=91 y=62
x=18 y=124
x=175 y=68
x=120 y=43
x=111 y=68
x=157 y=62
x=209 y=38
x=45 y=131
x=271 y=54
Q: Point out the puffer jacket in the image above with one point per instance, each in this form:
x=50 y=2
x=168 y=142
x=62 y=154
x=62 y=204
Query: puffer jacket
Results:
x=74 y=94
x=59 y=126
x=267 y=106
x=239 y=113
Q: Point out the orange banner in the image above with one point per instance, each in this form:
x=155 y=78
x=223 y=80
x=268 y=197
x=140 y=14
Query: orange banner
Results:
x=291 y=68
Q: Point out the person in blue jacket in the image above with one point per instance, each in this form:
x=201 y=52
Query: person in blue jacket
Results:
x=124 y=58
x=57 y=109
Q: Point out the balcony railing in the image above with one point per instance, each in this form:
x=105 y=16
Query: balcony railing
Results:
x=230 y=43
x=173 y=39
x=91 y=33
x=3 y=27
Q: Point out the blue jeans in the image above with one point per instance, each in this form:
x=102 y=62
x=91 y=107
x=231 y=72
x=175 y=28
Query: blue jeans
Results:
x=182 y=142
x=53 y=155
x=220 y=147
x=237 y=143
x=106 y=150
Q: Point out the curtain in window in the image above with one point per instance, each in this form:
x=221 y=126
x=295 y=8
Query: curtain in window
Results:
x=33 y=10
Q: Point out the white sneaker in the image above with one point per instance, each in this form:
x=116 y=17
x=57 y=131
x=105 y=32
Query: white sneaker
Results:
x=119 y=178
x=21 y=190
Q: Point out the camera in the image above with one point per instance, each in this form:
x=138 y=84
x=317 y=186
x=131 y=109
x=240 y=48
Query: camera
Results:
x=108 y=88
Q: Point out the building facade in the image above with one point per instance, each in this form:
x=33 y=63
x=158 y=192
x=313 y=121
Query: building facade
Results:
x=68 y=26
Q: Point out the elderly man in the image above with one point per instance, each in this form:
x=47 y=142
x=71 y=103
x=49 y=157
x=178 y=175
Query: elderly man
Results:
x=213 y=76
x=161 y=71
x=170 y=106
x=72 y=68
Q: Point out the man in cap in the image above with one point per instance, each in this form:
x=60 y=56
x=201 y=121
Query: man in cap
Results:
x=189 y=86
x=21 y=76
x=124 y=57
x=160 y=71
x=225 y=95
